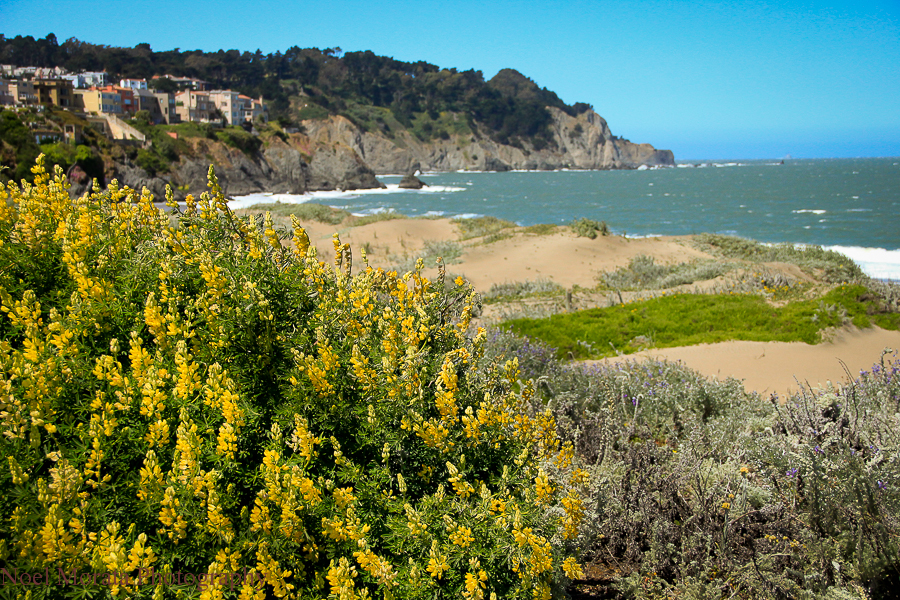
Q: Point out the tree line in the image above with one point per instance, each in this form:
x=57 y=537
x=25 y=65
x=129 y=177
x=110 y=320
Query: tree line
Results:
x=510 y=107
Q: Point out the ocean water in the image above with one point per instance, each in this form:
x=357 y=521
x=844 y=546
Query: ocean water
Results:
x=850 y=205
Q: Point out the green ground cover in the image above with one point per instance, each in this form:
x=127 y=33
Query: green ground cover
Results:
x=688 y=319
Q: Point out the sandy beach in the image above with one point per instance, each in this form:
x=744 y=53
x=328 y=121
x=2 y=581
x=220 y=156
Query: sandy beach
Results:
x=568 y=260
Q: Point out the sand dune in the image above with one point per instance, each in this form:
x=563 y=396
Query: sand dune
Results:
x=562 y=257
x=782 y=367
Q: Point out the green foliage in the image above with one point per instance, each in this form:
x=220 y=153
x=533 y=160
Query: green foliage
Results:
x=18 y=148
x=642 y=273
x=687 y=319
x=701 y=490
x=500 y=292
x=305 y=212
x=208 y=401
x=541 y=229
x=481 y=226
x=589 y=228
x=377 y=217
x=832 y=266
x=236 y=137
x=510 y=107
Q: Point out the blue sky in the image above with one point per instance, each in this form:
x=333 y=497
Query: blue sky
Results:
x=704 y=79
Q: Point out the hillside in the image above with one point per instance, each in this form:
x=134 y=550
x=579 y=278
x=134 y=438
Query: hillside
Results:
x=394 y=116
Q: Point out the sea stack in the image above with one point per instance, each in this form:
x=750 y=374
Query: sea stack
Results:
x=411 y=182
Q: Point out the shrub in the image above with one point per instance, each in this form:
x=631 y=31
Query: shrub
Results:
x=521 y=289
x=832 y=266
x=701 y=490
x=208 y=401
x=589 y=228
x=238 y=138
x=642 y=273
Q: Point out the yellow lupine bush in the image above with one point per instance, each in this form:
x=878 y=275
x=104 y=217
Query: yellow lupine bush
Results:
x=201 y=396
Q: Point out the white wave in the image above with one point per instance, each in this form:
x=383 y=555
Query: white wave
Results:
x=468 y=216
x=875 y=262
x=253 y=199
x=378 y=210
x=859 y=210
x=392 y=188
x=815 y=211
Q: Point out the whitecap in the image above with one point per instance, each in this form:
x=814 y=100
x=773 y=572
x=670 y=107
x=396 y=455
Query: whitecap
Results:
x=331 y=195
x=815 y=211
x=878 y=263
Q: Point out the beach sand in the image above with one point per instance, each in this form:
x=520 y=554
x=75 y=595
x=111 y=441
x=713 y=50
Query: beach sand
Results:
x=562 y=257
x=782 y=367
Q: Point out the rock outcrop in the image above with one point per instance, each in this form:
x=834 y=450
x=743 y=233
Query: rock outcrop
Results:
x=335 y=154
x=411 y=182
x=581 y=142
x=281 y=167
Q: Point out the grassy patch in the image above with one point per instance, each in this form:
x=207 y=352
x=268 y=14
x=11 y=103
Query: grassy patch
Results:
x=690 y=319
x=305 y=212
x=236 y=137
x=481 y=226
x=376 y=218
x=832 y=266
x=541 y=229
x=643 y=273
x=501 y=292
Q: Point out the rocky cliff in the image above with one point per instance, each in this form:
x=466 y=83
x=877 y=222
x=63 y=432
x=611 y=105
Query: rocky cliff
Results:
x=334 y=153
x=292 y=166
x=581 y=142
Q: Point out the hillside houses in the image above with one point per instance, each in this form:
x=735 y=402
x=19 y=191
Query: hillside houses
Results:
x=91 y=93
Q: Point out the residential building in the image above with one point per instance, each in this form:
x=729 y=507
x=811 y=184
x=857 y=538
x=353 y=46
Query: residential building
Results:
x=185 y=82
x=253 y=109
x=126 y=95
x=99 y=101
x=22 y=92
x=54 y=92
x=88 y=79
x=160 y=105
x=229 y=105
x=135 y=84
x=193 y=106
x=6 y=99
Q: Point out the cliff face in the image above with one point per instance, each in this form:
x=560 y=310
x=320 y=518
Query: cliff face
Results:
x=292 y=167
x=582 y=142
x=335 y=154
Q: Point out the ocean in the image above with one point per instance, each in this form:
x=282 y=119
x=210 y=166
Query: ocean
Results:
x=849 y=205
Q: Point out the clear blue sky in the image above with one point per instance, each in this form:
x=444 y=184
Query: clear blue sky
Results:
x=705 y=79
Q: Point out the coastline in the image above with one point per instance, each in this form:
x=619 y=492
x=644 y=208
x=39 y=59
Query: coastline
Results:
x=573 y=263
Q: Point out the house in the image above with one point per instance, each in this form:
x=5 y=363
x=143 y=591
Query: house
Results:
x=229 y=105
x=135 y=84
x=252 y=109
x=54 y=92
x=6 y=98
x=185 y=82
x=193 y=106
x=22 y=92
x=160 y=105
x=99 y=101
